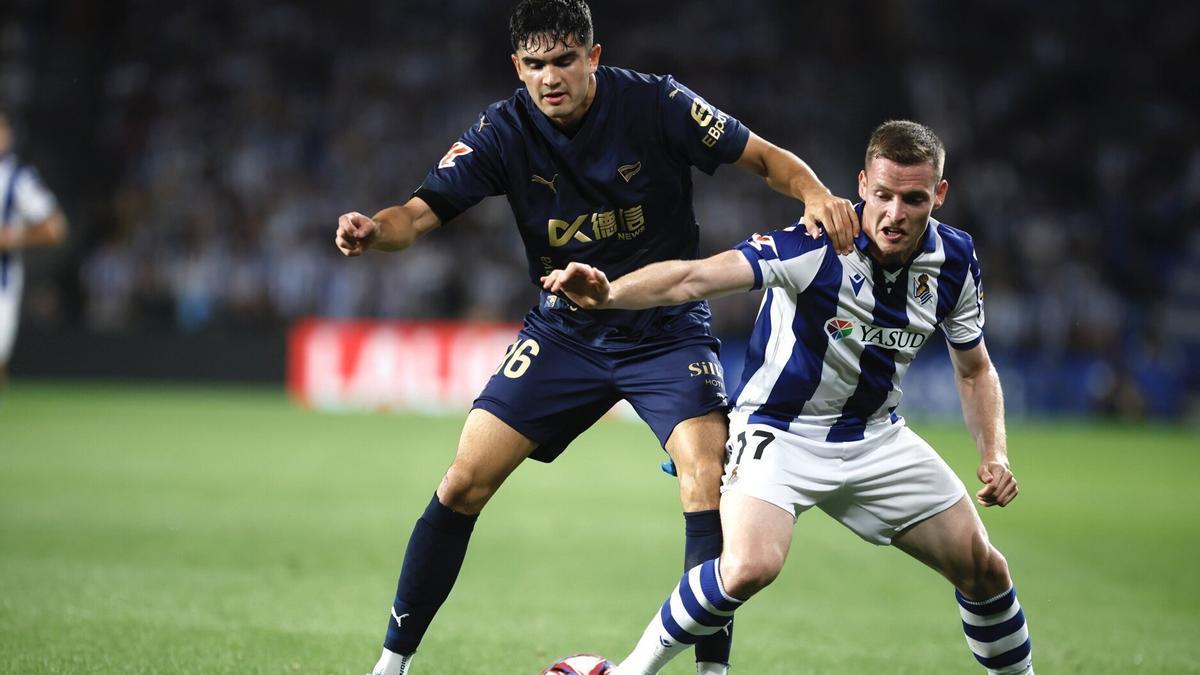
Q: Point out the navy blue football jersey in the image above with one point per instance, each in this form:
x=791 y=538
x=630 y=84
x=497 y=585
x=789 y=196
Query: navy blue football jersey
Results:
x=616 y=194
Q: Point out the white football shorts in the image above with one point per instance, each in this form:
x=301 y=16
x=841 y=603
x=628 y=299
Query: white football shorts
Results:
x=876 y=487
x=10 y=311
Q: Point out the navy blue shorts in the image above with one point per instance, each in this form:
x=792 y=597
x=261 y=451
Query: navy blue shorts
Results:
x=550 y=389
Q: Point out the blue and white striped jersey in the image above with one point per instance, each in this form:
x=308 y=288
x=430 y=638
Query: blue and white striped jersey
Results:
x=835 y=334
x=23 y=201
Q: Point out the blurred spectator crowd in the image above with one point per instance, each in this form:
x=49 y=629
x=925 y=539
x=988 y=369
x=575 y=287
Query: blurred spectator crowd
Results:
x=214 y=145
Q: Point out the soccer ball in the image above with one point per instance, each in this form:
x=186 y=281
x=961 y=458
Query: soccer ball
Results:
x=580 y=664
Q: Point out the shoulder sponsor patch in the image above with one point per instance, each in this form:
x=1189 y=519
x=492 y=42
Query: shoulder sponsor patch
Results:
x=457 y=150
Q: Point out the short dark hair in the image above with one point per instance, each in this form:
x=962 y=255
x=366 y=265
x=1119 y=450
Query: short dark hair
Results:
x=908 y=143
x=535 y=22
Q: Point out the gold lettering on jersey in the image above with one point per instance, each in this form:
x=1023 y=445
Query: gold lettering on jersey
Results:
x=701 y=112
x=561 y=232
x=715 y=132
x=633 y=222
x=548 y=183
x=624 y=224
x=547 y=264
x=704 y=368
x=628 y=171
x=604 y=224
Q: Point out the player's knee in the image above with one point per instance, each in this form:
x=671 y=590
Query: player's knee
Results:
x=462 y=491
x=988 y=575
x=745 y=575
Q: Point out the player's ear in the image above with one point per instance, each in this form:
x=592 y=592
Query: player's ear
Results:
x=862 y=185
x=517 y=65
x=594 y=57
x=939 y=196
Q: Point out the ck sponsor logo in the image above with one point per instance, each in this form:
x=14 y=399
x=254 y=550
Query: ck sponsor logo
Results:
x=921 y=289
x=889 y=338
x=457 y=150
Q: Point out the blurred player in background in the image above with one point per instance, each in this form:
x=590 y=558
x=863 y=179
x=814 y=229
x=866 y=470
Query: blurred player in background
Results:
x=814 y=421
x=29 y=217
x=596 y=164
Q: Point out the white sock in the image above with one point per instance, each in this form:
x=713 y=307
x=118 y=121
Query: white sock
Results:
x=697 y=607
x=710 y=668
x=391 y=663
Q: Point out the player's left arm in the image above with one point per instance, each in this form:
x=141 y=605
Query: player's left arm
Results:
x=50 y=231
x=788 y=174
x=983 y=409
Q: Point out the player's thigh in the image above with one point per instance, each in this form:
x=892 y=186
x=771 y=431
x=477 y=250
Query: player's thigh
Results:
x=675 y=383
x=697 y=446
x=758 y=535
x=488 y=451
x=548 y=391
x=945 y=541
x=892 y=483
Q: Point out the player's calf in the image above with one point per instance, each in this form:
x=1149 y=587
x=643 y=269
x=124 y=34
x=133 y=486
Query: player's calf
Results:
x=997 y=633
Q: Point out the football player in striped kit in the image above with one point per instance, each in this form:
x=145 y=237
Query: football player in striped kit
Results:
x=29 y=216
x=814 y=420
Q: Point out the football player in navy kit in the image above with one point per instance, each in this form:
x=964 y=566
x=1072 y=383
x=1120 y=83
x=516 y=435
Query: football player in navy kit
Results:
x=596 y=165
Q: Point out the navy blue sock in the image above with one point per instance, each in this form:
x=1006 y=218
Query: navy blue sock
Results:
x=435 y=554
x=703 y=530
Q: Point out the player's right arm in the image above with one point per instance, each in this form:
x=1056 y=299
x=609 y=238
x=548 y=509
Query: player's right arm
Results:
x=392 y=229
x=671 y=282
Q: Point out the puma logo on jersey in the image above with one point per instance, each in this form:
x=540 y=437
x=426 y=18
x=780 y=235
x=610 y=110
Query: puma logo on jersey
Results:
x=457 y=150
x=548 y=183
x=628 y=171
x=676 y=91
x=399 y=619
x=483 y=123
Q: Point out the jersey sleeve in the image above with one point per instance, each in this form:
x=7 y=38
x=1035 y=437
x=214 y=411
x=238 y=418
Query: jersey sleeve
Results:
x=786 y=258
x=963 y=327
x=471 y=169
x=33 y=201
x=697 y=131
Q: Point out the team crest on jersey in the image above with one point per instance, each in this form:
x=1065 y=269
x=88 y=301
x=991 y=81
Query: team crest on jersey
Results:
x=921 y=289
x=838 y=329
x=457 y=150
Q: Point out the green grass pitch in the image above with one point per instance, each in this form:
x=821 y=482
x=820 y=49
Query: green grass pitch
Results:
x=159 y=529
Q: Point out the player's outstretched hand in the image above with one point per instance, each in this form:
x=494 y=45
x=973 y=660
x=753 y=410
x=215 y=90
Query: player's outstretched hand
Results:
x=836 y=216
x=583 y=284
x=999 y=484
x=355 y=233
